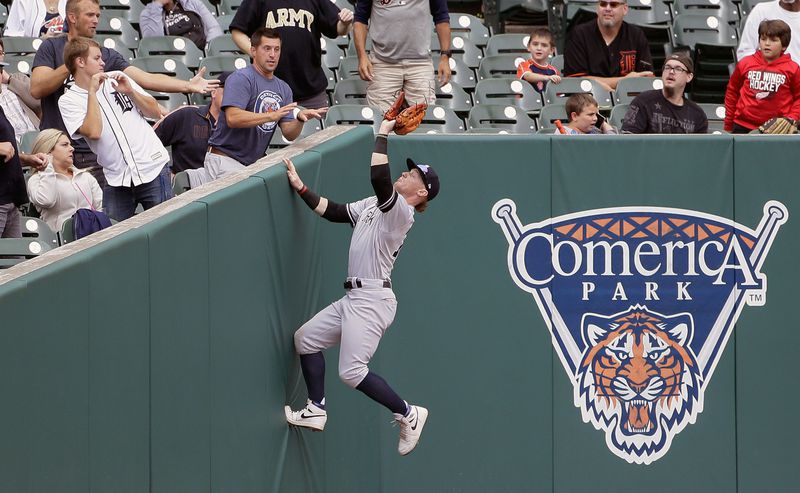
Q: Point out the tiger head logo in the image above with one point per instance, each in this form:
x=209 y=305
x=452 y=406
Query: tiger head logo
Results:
x=638 y=380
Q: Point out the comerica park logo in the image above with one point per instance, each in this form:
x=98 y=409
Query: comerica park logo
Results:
x=640 y=303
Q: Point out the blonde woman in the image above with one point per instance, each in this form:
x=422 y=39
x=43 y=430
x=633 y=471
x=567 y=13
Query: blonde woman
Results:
x=60 y=188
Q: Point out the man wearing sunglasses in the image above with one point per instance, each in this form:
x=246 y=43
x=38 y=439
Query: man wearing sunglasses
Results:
x=609 y=48
x=666 y=110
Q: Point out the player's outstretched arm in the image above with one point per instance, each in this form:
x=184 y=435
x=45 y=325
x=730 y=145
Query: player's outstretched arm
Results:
x=380 y=174
x=331 y=211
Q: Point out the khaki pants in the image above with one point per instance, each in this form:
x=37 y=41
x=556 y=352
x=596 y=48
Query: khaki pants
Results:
x=215 y=166
x=415 y=77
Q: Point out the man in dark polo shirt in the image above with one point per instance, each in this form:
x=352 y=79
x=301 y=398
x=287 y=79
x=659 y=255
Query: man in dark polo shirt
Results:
x=609 y=48
x=188 y=128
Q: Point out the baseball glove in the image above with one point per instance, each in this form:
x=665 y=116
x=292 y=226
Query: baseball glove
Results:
x=779 y=126
x=409 y=119
x=396 y=107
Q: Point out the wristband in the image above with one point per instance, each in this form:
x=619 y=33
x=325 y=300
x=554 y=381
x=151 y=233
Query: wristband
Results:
x=302 y=190
x=295 y=112
x=447 y=53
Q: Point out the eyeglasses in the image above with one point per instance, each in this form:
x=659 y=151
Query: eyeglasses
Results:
x=675 y=69
x=613 y=5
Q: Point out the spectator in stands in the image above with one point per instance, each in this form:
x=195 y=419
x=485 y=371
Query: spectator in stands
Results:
x=400 y=56
x=584 y=117
x=300 y=24
x=22 y=110
x=60 y=188
x=188 y=18
x=667 y=111
x=785 y=10
x=188 y=128
x=108 y=110
x=765 y=84
x=49 y=76
x=255 y=102
x=537 y=69
x=609 y=48
x=36 y=18
x=12 y=181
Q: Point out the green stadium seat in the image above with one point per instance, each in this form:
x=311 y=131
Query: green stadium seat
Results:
x=332 y=54
x=177 y=47
x=348 y=68
x=16 y=250
x=713 y=44
x=224 y=22
x=747 y=5
x=499 y=66
x=227 y=7
x=350 y=91
x=114 y=42
x=180 y=183
x=509 y=118
x=215 y=65
x=508 y=44
x=26 y=143
x=130 y=10
x=118 y=26
x=22 y=64
x=558 y=62
x=649 y=12
x=558 y=93
x=629 y=88
x=351 y=47
x=618 y=114
x=342 y=41
x=170 y=100
x=223 y=45
x=454 y=97
x=714 y=112
x=462 y=48
x=354 y=114
x=439 y=119
x=33 y=227
x=724 y=10
x=331 y=76
x=67 y=233
x=550 y=113
x=21 y=45
x=691 y=29
x=472 y=27
x=166 y=65
x=460 y=73
x=508 y=92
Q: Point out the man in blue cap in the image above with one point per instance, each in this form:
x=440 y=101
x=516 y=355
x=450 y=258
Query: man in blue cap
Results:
x=358 y=320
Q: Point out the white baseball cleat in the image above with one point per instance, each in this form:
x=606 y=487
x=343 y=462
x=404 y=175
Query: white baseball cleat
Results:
x=309 y=417
x=411 y=428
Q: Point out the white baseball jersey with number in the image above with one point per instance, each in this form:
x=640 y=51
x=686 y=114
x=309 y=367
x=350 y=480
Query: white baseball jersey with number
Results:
x=377 y=236
x=128 y=149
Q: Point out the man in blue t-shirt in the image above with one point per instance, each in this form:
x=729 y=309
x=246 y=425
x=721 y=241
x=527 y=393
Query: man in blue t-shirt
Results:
x=255 y=101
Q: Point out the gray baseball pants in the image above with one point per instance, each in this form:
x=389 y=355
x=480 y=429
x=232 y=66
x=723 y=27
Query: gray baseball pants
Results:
x=358 y=321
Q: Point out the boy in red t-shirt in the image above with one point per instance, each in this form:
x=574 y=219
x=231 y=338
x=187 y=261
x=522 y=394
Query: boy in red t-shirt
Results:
x=764 y=85
x=537 y=69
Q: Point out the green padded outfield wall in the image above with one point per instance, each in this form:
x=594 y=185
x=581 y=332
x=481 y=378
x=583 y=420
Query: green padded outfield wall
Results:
x=157 y=356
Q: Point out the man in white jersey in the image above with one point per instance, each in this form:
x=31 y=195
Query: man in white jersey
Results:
x=108 y=110
x=359 y=319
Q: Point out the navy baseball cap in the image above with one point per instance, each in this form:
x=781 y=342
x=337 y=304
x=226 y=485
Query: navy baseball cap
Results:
x=222 y=77
x=429 y=176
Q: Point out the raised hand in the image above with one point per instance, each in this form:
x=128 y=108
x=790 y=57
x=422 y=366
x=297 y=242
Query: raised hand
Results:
x=200 y=85
x=291 y=173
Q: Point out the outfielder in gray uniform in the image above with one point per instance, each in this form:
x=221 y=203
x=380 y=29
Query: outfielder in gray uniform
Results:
x=359 y=319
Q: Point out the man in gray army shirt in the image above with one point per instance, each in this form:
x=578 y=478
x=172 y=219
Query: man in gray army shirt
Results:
x=358 y=320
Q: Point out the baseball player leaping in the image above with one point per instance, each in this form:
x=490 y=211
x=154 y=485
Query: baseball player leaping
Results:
x=359 y=319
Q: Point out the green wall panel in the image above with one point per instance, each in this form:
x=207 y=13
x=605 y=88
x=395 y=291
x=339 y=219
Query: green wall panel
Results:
x=767 y=338
x=179 y=351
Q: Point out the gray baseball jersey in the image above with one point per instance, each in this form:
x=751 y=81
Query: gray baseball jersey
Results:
x=359 y=319
x=377 y=236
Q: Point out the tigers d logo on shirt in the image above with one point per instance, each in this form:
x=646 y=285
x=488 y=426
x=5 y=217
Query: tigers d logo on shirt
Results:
x=640 y=303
